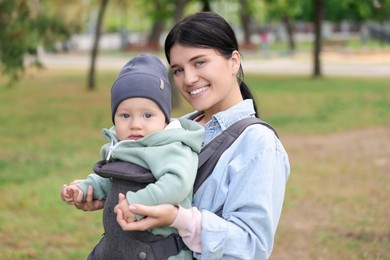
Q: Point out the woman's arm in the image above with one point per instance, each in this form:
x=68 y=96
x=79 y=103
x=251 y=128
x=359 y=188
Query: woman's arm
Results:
x=189 y=226
x=250 y=186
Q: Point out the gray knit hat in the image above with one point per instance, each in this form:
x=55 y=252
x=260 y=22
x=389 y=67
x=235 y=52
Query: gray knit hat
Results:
x=143 y=76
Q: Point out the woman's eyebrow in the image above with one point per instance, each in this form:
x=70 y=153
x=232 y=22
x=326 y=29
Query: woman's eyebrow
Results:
x=197 y=57
x=192 y=59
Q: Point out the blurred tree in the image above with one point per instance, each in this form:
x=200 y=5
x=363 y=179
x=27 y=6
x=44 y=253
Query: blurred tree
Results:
x=352 y=10
x=289 y=24
x=159 y=14
x=339 y=10
x=359 y=13
x=179 y=10
x=283 y=10
x=318 y=14
x=206 y=6
x=23 y=27
x=336 y=11
x=177 y=17
x=91 y=74
x=16 y=38
x=314 y=11
x=245 y=16
x=382 y=11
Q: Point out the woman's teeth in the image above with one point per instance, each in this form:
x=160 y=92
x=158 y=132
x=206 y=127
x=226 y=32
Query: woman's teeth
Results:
x=197 y=91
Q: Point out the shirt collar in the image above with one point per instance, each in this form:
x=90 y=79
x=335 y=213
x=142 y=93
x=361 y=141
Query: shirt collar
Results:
x=233 y=114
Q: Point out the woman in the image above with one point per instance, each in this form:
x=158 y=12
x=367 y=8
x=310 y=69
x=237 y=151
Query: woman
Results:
x=249 y=180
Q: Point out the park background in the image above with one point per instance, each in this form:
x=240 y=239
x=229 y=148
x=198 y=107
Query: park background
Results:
x=334 y=125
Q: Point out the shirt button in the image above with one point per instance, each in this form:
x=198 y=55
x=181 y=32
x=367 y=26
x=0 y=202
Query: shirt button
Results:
x=142 y=256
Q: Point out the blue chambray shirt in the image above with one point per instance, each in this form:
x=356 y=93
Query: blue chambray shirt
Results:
x=249 y=181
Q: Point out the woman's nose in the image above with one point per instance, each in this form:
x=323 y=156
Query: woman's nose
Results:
x=190 y=77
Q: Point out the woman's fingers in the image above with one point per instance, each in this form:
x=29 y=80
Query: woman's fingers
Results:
x=140 y=225
x=89 y=197
x=90 y=204
x=150 y=211
x=155 y=216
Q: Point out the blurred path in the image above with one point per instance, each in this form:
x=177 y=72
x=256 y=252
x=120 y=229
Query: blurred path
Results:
x=363 y=64
x=336 y=64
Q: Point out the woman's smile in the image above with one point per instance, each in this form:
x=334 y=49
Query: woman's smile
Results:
x=198 y=90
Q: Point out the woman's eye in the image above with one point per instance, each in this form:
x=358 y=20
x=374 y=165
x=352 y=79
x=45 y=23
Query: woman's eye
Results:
x=177 y=71
x=147 y=115
x=199 y=63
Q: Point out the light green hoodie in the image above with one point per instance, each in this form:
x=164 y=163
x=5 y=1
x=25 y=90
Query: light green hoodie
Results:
x=170 y=154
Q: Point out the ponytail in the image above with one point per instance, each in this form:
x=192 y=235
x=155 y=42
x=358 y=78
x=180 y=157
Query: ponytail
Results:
x=247 y=94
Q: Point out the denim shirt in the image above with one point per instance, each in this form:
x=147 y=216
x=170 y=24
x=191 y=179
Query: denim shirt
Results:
x=249 y=181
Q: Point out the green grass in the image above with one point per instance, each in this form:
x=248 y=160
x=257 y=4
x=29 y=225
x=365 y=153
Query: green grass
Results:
x=306 y=105
x=50 y=134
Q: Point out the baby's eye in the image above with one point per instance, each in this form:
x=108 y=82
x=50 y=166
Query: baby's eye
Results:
x=147 y=115
x=125 y=115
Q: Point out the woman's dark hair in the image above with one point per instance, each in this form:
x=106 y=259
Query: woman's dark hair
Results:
x=208 y=30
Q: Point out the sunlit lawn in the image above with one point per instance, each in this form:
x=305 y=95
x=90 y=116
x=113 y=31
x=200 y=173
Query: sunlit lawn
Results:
x=50 y=134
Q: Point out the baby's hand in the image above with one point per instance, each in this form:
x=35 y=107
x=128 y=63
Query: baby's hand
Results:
x=123 y=205
x=71 y=194
x=65 y=196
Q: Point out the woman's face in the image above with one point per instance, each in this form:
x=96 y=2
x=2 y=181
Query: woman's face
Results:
x=205 y=78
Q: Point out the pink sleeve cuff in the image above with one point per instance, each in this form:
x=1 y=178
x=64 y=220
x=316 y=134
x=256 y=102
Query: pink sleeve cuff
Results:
x=188 y=223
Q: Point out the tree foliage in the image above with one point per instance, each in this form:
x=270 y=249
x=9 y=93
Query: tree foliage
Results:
x=18 y=35
x=23 y=27
x=27 y=24
x=339 y=10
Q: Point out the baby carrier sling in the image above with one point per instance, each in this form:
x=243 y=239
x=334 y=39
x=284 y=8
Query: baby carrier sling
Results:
x=119 y=244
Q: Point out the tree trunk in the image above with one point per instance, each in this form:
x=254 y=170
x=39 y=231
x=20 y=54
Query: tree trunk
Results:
x=178 y=16
x=124 y=34
x=154 y=37
x=91 y=77
x=290 y=32
x=179 y=10
x=245 y=21
x=157 y=29
x=206 y=6
x=318 y=6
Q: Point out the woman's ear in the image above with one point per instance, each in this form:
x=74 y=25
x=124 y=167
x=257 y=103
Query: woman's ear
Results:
x=236 y=61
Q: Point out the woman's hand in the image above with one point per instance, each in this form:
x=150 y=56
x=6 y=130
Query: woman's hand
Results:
x=155 y=216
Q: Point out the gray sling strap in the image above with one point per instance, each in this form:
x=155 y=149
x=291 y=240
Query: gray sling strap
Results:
x=210 y=154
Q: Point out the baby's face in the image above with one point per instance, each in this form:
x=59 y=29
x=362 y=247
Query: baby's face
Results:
x=138 y=117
